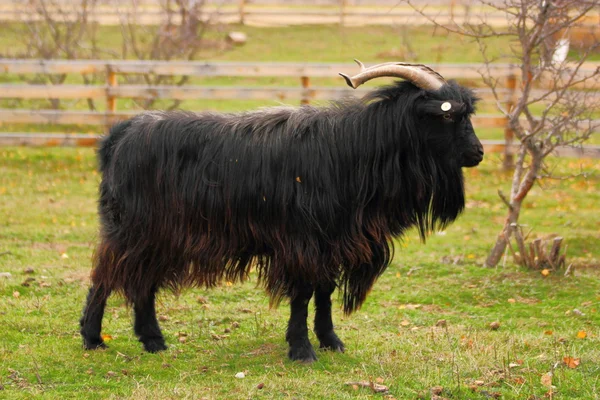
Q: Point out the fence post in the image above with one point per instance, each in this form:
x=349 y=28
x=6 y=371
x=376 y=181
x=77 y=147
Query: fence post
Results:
x=511 y=85
x=111 y=101
x=305 y=80
x=241 y=11
x=342 y=12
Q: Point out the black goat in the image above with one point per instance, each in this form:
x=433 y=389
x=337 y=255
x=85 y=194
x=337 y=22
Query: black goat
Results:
x=311 y=197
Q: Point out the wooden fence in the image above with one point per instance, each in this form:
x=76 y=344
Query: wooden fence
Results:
x=111 y=90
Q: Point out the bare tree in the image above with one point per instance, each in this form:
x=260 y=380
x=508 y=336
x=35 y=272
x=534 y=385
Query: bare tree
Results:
x=51 y=29
x=556 y=101
x=177 y=34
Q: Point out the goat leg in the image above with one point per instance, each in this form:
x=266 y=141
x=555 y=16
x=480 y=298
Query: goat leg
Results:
x=297 y=332
x=323 y=322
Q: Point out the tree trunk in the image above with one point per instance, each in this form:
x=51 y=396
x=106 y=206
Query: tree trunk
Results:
x=520 y=189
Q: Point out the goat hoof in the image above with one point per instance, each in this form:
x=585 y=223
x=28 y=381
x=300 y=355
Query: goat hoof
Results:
x=93 y=344
x=332 y=342
x=154 y=345
x=303 y=353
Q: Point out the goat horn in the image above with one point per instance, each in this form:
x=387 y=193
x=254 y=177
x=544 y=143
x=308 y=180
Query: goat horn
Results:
x=419 y=74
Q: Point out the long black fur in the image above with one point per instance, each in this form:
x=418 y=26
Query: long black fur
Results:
x=309 y=196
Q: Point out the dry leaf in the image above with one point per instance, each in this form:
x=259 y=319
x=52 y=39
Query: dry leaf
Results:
x=16 y=294
x=377 y=388
x=548 y=333
x=495 y=325
x=379 y=380
x=545 y=272
x=106 y=338
x=512 y=301
x=581 y=335
x=571 y=362
x=546 y=379
x=436 y=390
x=405 y=323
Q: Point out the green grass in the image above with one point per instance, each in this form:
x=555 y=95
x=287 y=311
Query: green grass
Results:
x=47 y=209
x=48 y=213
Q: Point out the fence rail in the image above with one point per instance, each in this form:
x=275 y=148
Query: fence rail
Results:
x=110 y=91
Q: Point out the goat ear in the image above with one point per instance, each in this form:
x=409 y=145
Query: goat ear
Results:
x=440 y=107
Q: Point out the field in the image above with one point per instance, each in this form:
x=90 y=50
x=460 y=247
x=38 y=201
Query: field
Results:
x=426 y=330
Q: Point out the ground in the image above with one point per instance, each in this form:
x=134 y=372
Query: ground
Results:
x=435 y=322
x=426 y=323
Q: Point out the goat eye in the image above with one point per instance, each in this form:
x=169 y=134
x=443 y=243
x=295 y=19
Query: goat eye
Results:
x=447 y=117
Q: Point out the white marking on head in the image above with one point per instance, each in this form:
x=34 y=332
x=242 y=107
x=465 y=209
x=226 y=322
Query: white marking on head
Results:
x=446 y=106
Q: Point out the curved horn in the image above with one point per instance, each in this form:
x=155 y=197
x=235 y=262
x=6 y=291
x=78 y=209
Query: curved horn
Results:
x=419 y=74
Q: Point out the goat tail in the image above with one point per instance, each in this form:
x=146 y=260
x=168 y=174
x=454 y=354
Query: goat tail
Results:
x=108 y=143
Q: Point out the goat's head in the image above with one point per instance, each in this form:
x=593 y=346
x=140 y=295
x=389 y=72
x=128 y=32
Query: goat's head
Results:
x=443 y=107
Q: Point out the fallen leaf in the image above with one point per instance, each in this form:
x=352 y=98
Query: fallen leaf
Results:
x=545 y=272
x=16 y=294
x=405 y=323
x=546 y=379
x=379 y=380
x=260 y=385
x=436 y=390
x=495 y=325
x=106 y=338
x=240 y=375
x=548 y=333
x=512 y=301
x=571 y=362
x=442 y=323
x=377 y=388
x=581 y=335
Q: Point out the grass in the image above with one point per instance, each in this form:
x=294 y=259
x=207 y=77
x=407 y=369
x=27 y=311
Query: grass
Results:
x=48 y=225
x=47 y=209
